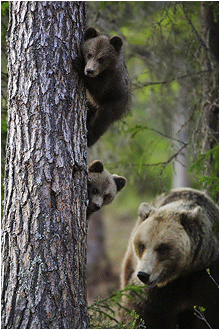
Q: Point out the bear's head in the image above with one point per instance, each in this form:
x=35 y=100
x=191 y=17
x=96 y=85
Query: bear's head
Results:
x=102 y=186
x=170 y=241
x=100 y=52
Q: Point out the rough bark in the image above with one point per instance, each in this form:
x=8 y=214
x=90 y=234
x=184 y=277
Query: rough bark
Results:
x=210 y=82
x=44 y=222
x=209 y=118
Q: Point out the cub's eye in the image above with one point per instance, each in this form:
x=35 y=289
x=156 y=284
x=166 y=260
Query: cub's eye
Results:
x=95 y=191
x=101 y=60
x=89 y=56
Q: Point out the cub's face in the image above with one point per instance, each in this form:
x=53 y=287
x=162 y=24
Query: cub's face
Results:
x=101 y=191
x=99 y=52
x=162 y=247
x=102 y=186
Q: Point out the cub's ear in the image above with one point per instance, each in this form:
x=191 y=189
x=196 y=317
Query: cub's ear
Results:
x=120 y=181
x=144 y=211
x=96 y=167
x=116 y=42
x=90 y=33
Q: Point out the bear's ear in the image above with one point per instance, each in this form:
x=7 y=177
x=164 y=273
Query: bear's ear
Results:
x=144 y=211
x=90 y=33
x=189 y=219
x=120 y=181
x=96 y=167
x=116 y=42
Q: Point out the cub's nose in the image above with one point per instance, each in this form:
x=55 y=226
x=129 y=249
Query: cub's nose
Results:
x=144 y=277
x=97 y=207
x=89 y=72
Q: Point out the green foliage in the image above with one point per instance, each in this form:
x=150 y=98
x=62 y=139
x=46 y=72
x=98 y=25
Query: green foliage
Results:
x=144 y=160
x=163 y=59
x=105 y=313
x=200 y=167
x=4 y=7
x=4 y=19
x=119 y=5
x=201 y=309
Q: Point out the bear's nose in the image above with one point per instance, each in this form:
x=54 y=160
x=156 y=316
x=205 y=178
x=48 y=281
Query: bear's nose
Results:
x=144 y=277
x=89 y=71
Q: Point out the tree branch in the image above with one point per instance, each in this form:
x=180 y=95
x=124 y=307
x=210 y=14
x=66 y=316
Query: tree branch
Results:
x=150 y=83
x=194 y=29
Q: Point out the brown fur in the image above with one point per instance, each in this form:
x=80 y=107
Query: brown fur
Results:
x=102 y=186
x=169 y=250
x=107 y=82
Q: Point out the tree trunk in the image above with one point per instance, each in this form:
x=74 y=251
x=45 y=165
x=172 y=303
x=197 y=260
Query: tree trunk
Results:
x=101 y=279
x=44 y=222
x=180 y=132
x=210 y=82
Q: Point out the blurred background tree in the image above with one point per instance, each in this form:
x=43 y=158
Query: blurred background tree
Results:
x=170 y=137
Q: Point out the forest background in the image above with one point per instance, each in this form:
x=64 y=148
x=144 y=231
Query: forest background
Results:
x=170 y=137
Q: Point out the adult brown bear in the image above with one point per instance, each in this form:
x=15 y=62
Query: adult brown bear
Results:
x=170 y=249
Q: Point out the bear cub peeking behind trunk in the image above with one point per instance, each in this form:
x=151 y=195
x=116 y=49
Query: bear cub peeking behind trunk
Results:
x=101 y=66
x=102 y=186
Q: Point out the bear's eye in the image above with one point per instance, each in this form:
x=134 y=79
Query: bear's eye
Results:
x=163 y=250
x=141 y=247
x=101 y=60
x=95 y=191
x=89 y=56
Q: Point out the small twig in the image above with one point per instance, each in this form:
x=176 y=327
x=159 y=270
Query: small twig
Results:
x=208 y=271
x=141 y=128
x=168 y=137
x=165 y=163
x=139 y=85
x=201 y=316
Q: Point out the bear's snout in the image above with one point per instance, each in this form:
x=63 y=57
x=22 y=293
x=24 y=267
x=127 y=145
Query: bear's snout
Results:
x=89 y=72
x=144 y=277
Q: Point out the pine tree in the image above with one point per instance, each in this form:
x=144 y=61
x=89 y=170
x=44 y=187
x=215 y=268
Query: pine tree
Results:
x=44 y=221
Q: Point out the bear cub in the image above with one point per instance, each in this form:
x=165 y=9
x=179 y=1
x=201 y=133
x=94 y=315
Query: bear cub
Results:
x=101 y=66
x=102 y=186
x=170 y=249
